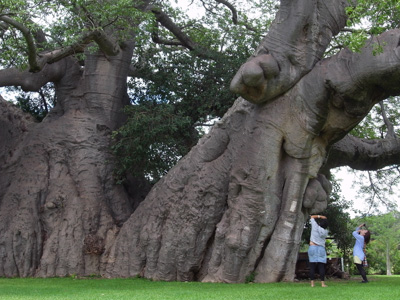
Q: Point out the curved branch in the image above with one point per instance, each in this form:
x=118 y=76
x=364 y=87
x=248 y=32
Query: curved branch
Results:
x=32 y=51
x=296 y=41
x=167 y=22
x=231 y=8
x=234 y=11
x=3 y=26
x=183 y=38
x=32 y=81
x=362 y=154
x=106 y=45
x=235 y=15
x=156 y=38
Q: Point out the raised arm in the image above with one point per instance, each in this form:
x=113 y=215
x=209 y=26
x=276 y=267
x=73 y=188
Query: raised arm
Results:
x=318 y=217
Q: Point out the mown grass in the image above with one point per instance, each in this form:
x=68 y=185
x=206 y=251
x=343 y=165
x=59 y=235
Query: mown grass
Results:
x=380 y=287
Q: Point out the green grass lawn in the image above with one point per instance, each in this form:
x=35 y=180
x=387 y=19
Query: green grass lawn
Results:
x=379 y=288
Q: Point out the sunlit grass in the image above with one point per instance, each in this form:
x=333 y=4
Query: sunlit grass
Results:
x=380 y=287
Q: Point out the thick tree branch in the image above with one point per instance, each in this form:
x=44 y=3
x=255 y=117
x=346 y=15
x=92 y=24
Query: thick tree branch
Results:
x=183 y=39
x=167 y=22
x=3 y=26
x=362 y=154
x=106 y=45
x=296 y=41
x=340 y=91
x=32 y=51
x=29 y=81
x=156 y=38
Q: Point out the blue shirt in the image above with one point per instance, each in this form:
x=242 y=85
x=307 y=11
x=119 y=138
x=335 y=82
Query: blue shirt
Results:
x=358 y=249
x=318 y=234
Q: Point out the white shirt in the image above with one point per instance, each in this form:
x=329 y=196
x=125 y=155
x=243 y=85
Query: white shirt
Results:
x=318 y=234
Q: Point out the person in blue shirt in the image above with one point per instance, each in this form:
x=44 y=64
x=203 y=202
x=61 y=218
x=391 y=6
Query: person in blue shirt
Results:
x=362 y=237
x=316 y=251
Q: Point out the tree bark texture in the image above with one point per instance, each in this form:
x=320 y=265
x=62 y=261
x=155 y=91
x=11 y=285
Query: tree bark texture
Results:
x=236 y=204
x=59 y=206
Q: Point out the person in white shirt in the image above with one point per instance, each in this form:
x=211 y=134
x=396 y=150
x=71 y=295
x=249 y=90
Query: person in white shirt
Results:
x=316 y=251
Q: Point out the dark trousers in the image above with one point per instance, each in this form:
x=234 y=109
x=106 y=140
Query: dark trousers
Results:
x=361 y=270
x=321 y=270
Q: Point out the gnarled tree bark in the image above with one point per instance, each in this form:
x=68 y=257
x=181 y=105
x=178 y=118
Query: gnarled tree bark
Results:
x=236 y=204
x=57 y=191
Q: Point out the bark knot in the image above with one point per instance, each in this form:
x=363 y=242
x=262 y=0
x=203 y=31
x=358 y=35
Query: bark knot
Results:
x=93 y=244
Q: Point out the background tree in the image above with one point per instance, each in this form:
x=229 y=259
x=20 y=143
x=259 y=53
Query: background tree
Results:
x=384 y=249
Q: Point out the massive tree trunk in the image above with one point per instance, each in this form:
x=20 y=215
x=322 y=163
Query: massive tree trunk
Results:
x=236 y=204
x=59 y=205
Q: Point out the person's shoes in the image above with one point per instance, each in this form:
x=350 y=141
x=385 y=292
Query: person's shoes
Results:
x=364 y=281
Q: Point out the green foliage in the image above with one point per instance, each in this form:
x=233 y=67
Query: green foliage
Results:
x=368 y=18
x=151 y=141
x=373 y=125
x=64 y=23
x=383 y=250
x=36 y=104
x=27 y=105
x=380 y=15
x=357 y=40
x=191 y=89
x=195 y=84
x=250 y=278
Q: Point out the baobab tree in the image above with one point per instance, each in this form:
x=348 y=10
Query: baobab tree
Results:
x=235 y=204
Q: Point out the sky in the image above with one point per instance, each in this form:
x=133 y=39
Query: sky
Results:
x=350 y=192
